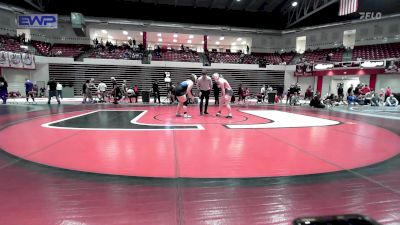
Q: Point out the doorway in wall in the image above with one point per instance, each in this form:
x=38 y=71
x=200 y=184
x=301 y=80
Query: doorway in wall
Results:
x=347 y=82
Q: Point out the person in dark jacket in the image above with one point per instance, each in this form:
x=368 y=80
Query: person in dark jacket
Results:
x=3 y=90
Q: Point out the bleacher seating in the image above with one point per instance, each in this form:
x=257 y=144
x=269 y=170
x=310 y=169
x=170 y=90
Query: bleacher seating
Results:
x=117 y=53
x=320 y=55
x=270 y=58
x=379 y=51
x=287 y=57
x=68 y=50
x=254 y=58
x=42 y=47
x=8 y=43
x=220 y=57
x=176 y=56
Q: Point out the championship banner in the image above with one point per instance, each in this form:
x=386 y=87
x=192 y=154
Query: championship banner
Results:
x=308 y=70
x=299 y=70
x=4 y=61
x=28 y=61
x=392 y=66
x=15 y=60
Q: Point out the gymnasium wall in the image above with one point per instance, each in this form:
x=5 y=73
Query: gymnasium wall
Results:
x=74 y=75
x=391 y=80
x=328 y=84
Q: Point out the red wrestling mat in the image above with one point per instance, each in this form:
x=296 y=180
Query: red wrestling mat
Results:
x=152 y=142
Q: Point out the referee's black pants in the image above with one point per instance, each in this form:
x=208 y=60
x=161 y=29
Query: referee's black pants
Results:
x=206 y=95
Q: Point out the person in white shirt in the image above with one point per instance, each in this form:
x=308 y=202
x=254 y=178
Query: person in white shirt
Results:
x=204 y=84
x=262 y=92
x=101 y=90
x=392 y=101
x=59 y=90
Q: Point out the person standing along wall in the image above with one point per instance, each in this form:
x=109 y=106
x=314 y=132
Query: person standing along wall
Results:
x=59 y=90
x=3 y=90
x=29 y=90
x=52 y=87
x=156 y=92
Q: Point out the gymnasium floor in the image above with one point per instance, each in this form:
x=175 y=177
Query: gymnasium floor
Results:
x=74 y=164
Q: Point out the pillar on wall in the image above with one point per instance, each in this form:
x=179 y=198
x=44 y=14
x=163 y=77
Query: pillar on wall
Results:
x=205 y=44
x=145 y=40
x=320 y=79
x=372 y=81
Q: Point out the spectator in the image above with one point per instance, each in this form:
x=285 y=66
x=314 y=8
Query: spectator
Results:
x=269 y=89
x=35 y=89
x=90 y=88
x=59 y=90
x=130 y=93
x=156 y=92
x=357 y=90
x=136 y=90
x=116 y=91
x=29 y=90
x=351 y=99
x=391 y=101
x=262 y=93
x=331 y=100
x=350 y=90
x=295 y=99
x=124 y=90
x=388 y=92
x=365 y=90
x=101 y=90
x=374 y=98
x=3 y=90
x=291 y=91
x=340 y=92
x=52 y=87
x=382 y=95
x=246 y=94
x=241 y=93
x=316 y=102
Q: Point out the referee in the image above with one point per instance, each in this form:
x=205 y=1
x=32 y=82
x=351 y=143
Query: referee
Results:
x=204 y=83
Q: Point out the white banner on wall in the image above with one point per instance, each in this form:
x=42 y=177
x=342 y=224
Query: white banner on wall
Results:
x=17 y=60
x=28 y=61
x=4 y=62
